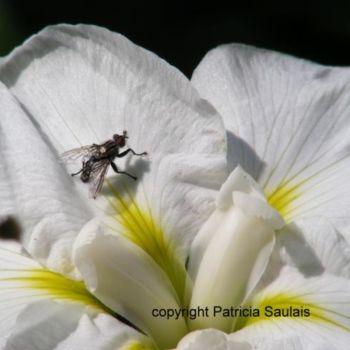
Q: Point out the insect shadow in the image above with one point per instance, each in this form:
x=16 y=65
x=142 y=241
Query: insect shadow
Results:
x=124 y=185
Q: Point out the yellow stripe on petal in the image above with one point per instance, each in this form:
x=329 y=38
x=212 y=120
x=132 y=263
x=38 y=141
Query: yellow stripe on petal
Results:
x=49 y=285
x=139 y=226
x=272 y=308
x=283 y=198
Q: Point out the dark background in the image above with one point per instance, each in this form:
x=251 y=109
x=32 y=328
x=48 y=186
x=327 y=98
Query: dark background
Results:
x=183 y=31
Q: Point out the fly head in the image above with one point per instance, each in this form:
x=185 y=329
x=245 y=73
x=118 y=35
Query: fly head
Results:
x=120 y=139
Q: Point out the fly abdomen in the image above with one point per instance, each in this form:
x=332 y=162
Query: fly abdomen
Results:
x=85 y=176
x=87 y=169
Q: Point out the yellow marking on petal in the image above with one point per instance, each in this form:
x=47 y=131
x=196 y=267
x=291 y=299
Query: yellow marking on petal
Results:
x=140 y=227
x=283 y=197
x=318 y=314
x=136 y=345
x=52 y=285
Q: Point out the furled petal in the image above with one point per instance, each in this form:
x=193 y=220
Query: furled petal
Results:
x=50 y=212
x=210 y=339
x=288 y=126
x=320 y=308
x=80 y=85
x=232 y=249
x=237 y=183
x=129 y=282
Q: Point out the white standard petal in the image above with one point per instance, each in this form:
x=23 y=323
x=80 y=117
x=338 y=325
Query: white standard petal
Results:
x=82 y=84
x=288 y=126
x=129 y=282
x=231 y=251
x=49 y=210
x=311 y=309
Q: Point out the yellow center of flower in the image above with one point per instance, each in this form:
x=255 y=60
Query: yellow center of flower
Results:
x=284 y=198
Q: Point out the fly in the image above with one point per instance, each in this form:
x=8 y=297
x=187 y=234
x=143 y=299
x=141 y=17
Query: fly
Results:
x=96 y=160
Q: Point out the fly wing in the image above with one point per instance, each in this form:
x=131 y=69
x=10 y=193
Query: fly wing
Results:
x=74 y=154
x=97 y=176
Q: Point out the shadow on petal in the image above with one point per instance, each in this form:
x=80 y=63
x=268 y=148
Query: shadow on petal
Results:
x=122 y=183
x=240 y=153
x=300 y=252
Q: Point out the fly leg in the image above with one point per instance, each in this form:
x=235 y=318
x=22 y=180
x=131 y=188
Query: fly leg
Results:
x=120 y=155
x=77 y=173
x=115 y=168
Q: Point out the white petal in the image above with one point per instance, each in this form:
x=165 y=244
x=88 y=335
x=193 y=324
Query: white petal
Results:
x=24 y=282
x=257 y=208
x=81 y=84
x=210 y=339
x=314 y=245
x=43 y=325
x=7 y=207
x=231 y=251
x=238 y=181
x=13 y=300
x=103 y=332
x=51 y=325
x=10 y=244
x=129 y=282
x=326 y=297
x=287 y=343
x=288 y=126
x=50 y=211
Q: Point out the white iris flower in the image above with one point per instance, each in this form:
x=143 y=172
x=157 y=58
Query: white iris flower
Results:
x=262 y=222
